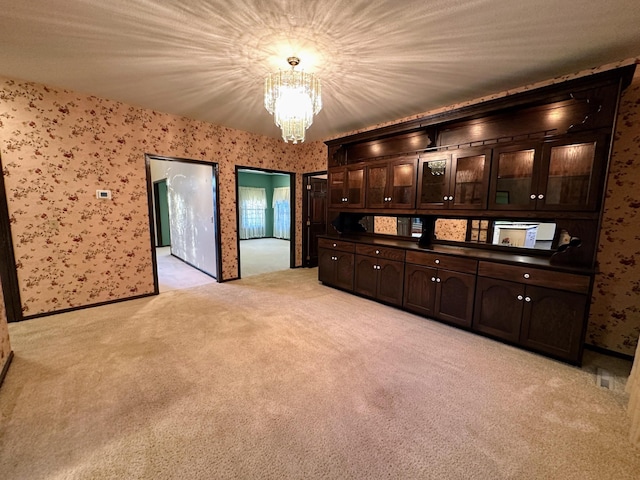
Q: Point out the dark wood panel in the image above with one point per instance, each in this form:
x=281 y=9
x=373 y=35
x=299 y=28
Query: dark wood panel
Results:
x=344 y=270
x=454 y=297
x=458 y=264
x=336 y=245
x=420 y=289
x=381 y=252
x=390 y=281
x=533 y=276
x=366 y=276
x=394 y=145
x=498 y=308
x=554 y=322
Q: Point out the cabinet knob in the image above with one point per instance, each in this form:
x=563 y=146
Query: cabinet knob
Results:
x=526 y=275
x=541 y=196
x=445 y=198
x=533 y=196
x=450 y=197
x=527 y=299
x=433 y=279
x=335 y=244
x=437 y=261
x=519 y=297
x=438 y=280
x=377 y=252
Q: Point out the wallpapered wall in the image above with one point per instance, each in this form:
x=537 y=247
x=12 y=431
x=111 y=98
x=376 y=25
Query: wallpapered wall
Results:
x=58 y=147
x=5 y=345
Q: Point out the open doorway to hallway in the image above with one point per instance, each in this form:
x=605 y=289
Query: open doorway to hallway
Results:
x=266 y=231
x=184 y=222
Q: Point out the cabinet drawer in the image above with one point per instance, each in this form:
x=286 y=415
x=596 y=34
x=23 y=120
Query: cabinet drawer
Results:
x=381 y=252
x=532 y=276
x=336 y=245
x=457 y=264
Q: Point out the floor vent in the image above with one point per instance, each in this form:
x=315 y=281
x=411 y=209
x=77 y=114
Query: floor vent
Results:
x=604 y=379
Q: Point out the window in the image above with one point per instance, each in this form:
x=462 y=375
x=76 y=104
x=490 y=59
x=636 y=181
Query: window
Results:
x=253 y=202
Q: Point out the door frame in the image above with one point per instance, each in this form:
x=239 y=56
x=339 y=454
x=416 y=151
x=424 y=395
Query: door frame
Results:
x=158 y=217
x=305 y=207
x=216 y=212
x=8 y=270
x=292 y=196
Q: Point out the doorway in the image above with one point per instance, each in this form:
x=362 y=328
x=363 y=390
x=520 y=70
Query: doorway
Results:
x=8 y=274
x=265 y=220
x=184 y=222
x=314 y=215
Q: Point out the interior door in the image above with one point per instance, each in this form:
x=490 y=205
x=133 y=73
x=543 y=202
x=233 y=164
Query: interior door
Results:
x=314 y=219
x=163 y=231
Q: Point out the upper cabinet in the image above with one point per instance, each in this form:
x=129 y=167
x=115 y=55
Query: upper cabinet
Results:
x=392 y=183
x=346 y=186
x=560 y=174
x=457 y=180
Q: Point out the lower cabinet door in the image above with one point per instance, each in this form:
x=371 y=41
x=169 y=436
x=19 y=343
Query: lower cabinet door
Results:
x=366 y=280
x=420 y=289
x=344 y=270
x=498 y=308
x=326 y=266
x=390 y=281
x=454 y=297
x=554 y=322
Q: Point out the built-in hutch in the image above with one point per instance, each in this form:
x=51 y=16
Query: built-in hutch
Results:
x=492 y=212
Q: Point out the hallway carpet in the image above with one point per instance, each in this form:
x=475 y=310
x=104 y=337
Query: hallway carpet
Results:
x=278 y=377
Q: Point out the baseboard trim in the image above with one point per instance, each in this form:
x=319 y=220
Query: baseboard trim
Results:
x=82 y=307
x=606 y=351
x=5 y=368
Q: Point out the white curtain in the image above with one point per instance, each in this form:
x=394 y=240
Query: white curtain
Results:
x=281 y=213
x=633 y=387
x=253 y=203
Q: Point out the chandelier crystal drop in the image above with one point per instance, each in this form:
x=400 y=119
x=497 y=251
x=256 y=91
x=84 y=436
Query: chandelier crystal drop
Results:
x=293 y=98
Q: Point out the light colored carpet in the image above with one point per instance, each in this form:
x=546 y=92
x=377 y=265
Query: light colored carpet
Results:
x=174 y=274
x=276 y=376
x=264 y=255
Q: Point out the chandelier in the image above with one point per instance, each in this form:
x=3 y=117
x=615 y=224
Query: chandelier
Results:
x=293 y=98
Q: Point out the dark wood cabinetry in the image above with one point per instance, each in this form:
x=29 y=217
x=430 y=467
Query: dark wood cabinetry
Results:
x=346 y=186
x=538 y=156
x=379 y=273
x=335 y=263
x=512 y=305
x=564 y=174
x=440 y=287
x=457 y=180
x=392 y=183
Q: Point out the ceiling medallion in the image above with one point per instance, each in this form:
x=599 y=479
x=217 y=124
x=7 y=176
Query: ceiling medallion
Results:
x=293 y=98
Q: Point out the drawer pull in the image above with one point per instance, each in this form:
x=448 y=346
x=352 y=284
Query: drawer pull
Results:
x=527 y=299
x=377 y=252
x=526 y=275
x=519 y=297
x=437 y=261
x=335 y=244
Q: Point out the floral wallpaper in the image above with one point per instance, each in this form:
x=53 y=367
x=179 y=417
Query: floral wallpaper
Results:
x=5 y=345
x=58 y=147
x=614 y=321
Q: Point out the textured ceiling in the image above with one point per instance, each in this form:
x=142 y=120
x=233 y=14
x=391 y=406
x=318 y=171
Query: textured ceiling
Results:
x=378 y=60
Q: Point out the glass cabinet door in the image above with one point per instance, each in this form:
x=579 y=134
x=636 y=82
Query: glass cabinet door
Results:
x=337 y=197
x=433 y=180
x=377 y=185
x=355 y=187
x=470 y=179
x=572 y=173
x=402 y=183
x=514 y=183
